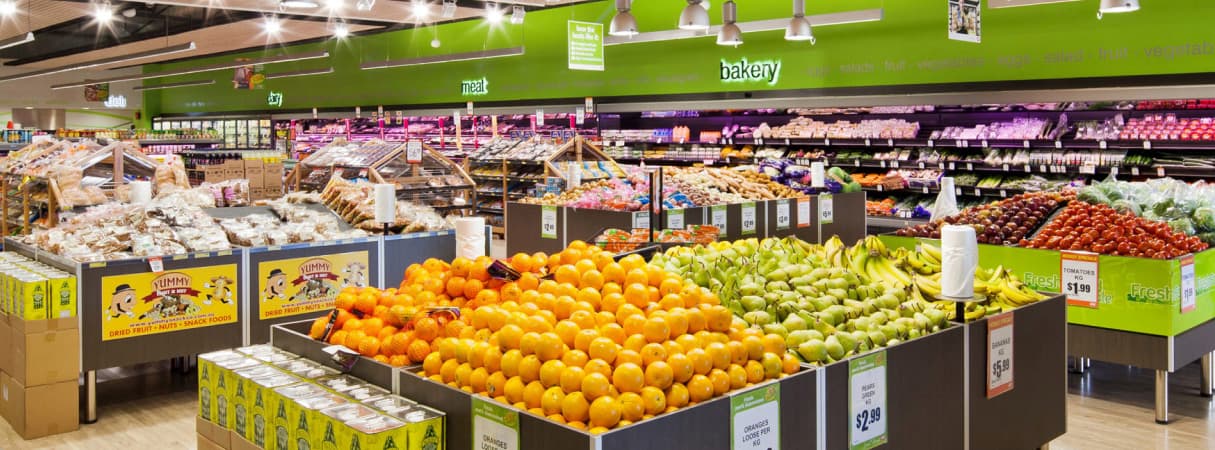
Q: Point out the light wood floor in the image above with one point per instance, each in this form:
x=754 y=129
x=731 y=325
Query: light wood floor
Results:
x=1110 y=407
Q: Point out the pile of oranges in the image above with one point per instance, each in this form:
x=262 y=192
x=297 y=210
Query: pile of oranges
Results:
x=598 y=345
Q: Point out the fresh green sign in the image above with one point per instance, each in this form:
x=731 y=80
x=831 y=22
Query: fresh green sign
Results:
x=585 y=45
x=548 y=222
x=755 y=418
x=474 y=87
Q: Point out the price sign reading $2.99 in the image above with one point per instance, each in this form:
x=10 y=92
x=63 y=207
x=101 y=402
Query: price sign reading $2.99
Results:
x=867 y=401
x=1078 y=273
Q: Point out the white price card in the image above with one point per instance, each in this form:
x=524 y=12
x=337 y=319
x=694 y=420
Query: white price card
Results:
x=1088 y=169
x=970 y=166
x=494 y=427
x=1005 y=167
x=157 y=264
x=1147 y=145
x=755 y=419
x=579 y=115
x=978 y=193
x=782 y=214
x=1160 y=172
x=1029 y=168
x=803 y=212
x=748 y=218
x=1189 y=293
x=1135 y=171
x=413 y=152
x=717 y=217
x=675 y=219
x=867 y=143
x=539 y=117
x=826 y=209
x=641 y=220
x=1078 y=278
x=999 y=354
x=867 y=401
x=548 y=222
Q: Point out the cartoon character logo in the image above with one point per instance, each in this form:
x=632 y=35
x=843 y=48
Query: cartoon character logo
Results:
x=318 y=280
x=172 y=296
x=221 y=288
x=276 y=286
x=355 y=275
x=122 y=302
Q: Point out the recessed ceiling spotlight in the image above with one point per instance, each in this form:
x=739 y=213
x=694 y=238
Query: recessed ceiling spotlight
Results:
x=8 y=7
x=493 y=14
x=272 y=26
x=103 y=13
x=421 y=10
x=340 y=31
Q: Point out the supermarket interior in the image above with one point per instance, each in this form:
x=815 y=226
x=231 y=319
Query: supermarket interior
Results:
x=607 y=224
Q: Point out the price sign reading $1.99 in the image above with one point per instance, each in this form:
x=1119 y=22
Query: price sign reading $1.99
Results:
x=999 y=354
x=1078 y=273
x=867 y=401
x=748 y=218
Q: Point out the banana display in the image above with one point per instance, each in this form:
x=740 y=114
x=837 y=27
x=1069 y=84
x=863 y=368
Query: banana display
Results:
x=832 y=301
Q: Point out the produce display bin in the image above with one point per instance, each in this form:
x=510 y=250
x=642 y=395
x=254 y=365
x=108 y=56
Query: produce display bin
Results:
x=402 y=250
x=293 y=337
x=288 y=281
x=1034 y=411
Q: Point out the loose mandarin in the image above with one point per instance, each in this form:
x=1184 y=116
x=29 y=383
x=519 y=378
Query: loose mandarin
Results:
x=719 y=355
x=656 y=330
x=598 y=366
x=528 y=282
x=575 y=407
x=611 y=301
x=653 y=297
x=688 y=342
x=634 y=325
x=614 y=332
x=557 y=417
x=773 y=343
x=464 y=375
x=353 y=324
x=637 y=343
x=604 y=317
x=495 y=384
x=672 y=347
x=582 y=341
x=532 y=394
x=571 y=379
x=398 y=360
x=605 y=412
x=772 y=365
x=755 y=371
x=720 y=380
x=636 y=276
x=550 y=402
x=418 y=350
x=478 y=379
x=547 y=287
x=510 y=362
x=550 y=372
x=718 y=318
x=448 y=370
x=432 y=363
x=595 y=385
x=529 y=368
x=354 y=339
x=628 y=356
x=550 y=347
x=567 y=330
x=492 y=360
x=577 y=424
x=575 y=358
x=700 y=388
x=583 y=318
x=681 y=367
x=625 y=311
x=603 y=348
x=455 y=287
x=476 y=356
x=677 y=396
x=654 y=400
x=628 y=377
x=696 y=320
x=613 y=273
x=632 y=406
x=659 y=374
x=528 y=343
x=566 y=274
x=338 y=337
x=591 y=279
x=563 y=307
x=738 y=352
x=637 y=294
x=738 y=376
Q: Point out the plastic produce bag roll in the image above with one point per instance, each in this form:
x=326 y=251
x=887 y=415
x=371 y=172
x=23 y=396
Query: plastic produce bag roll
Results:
x=959 y=258
x=470 y=237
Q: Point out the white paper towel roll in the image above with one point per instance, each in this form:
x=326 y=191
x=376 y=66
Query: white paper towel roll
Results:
x=385 y=203
x=470 y=237
x=959 y=258
x=141 y=192
x=818 y=174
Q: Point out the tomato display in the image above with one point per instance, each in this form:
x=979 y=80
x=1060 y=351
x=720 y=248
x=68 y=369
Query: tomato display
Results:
x=1100 y=229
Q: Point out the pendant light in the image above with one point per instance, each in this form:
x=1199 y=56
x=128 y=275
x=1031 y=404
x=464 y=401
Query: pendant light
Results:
x=799 y=28
x=623 y=23
x=1117 y=6
x=729 y=34
x=694 y=17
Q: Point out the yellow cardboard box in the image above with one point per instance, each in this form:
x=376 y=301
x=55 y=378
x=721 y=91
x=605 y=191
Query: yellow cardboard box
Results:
x=263 y=404
x=298 y=427
x=62 y=294
x=377 y=433
x=243 y=396
x=336 y=434
x=227 y=383
x=207 y=372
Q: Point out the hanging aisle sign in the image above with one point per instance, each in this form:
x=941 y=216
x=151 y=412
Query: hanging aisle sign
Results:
x=965 y=21
x=474 y=87
x=585 y=45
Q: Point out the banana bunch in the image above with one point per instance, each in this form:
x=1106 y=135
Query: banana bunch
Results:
x=871 y=257
x=926 y=261
x=1009 y=290
x=1003 y=290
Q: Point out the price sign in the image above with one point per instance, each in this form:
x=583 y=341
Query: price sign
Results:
x=494 y=427
x=1078 y=273
x=867 y=401
x=970 y=166
x=856 y=163
x=1025 y=144
x=883 y=163
x=579 y=115
x=675 y=219
x=1189 y=295
x=1160 y=172
x=867 y=142
x=782 y=214
x=894 y=164
x=748 y=218
x=930 y=143
x=1058 y=144
x=755 y=419
x=1102 y=145
x=952 y=166
x=1043 y=169
x=921 y=164
x=803 y=212
x=985 y=143
x=924 y=189
x=548 y=222
x=1028 y=168
x=890 y=142
x=539 y=117
x=978 y=193
x=826 y=142
x=1147 y=145
x=413 y=152
x=641 y=220
x=1003 y=193
x=717 y=216
x=1005 y=167
x=1135 y=171
x=999 y=354
x=1088 y=169
x=826 y=209
x=157 y=264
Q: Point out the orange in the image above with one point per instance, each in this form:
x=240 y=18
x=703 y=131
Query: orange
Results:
x=551 y=400
x=614 y=332
x=478 y=379
x=479 y=271
x=398 y=360
x=700 y=388
x=637 y=295
x=345 y=300
x=574 y=358
x=611 y=301
x=718 y=318
x=605 y=412
x=455 y=287
x=317 y=330
x=582 y=341
x=585 y=265
x=567 y=274
x=604 y=317
x=387 y=333
x=460 y=266
x=532 y=394
x=634 y=325
x=677 y=320
x=549 y=347
x=567 y=330
x=595 y=385
x=338 y=337
x=369 y=346
x=632 y=407
x=418 y=350
x=737 y=375
x=681 y=367
x=701 y=363
x=656 y=330
x=528 y=343
x=738 y=352
x=598 y=366
x=571 y=379
x=625 y=311
x=577 y=424
x=448 y=370
x=696 y=320
x=602 y=259
x=476 y=354
x=464 y=375
x=472 y=288
x=510 y=362
x=754 y=346
x=574 y=407
x=654 y=400
x=539 y=260
x=426 y=329
x=719 y=355
x=513 y=390
x=563 y=307
x=529 y=368
x=557 y=417
x=789 y=363
x=659 y=374
x=628 y=377
x=528 y=282
x=653 y=352
x=492 y=359
x=652 y=293
x=521 y=262
x=589 y=296
x=353 y=324
x=342 y=317
x=495 y=384
x=583 y=318
x=354 y=339
x=366 y=304
x=603 y=348
x=720 y=380
x=550 y=372
x=613 y=273
x=636 y=276
x=547 y=287
x=772 y=365
x=633 y=261
x=431 y=364
x=755 y=371
x=628 y=356
x=636 y=342
x=591 y=279
x=677 y=396
x=381 y=359
x=510 y=336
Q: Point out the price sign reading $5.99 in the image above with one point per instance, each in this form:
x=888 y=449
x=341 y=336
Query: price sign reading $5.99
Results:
x=999 y=354
x=867 y=401
x=1078 y=273
x=748 y=218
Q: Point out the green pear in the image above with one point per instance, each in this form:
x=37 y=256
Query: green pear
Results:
x=847 y=340
x=776 y=328
x=795 y=323
x=758 y=317
x=834 y=348
x=813 y=350
x=753 y=302
x=878 y=338
x=797 y=337
x=823 y=326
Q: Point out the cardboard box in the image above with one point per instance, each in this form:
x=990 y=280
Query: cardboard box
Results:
x=255 y=173
x=32 y=297
x=240 y=443
x=235 y=164
x=6 y=350
x=206 y=444
x=215 y=435
x=40 y=410
x=214 y=174
x=21 y=326
x=45 y=358
x=272 y=175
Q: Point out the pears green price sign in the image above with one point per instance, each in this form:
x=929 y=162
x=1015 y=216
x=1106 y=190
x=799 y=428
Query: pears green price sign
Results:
x=867 y=401
x=641 y=220
x=755 y=419
x=494 y=427
x=585 y=45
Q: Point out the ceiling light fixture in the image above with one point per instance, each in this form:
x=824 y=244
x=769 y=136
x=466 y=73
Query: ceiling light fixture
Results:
x=516 y=14
x=101 y=62
x=173 y=85
x=818 y=20
x=335 y=5
x=799 y=28
x=340 y=31
x=1117 y=6
x=623 y=23
x=200 y=69
x=449 y=9
x=493 y=14
x=364 y=5
x=299 y=73
x=469 y=56
x=420 y=10
x=8 y=7
x=694 y=17
x=272 y=26
x=729 y=34
x=17 y=40
x=103 y=13
x=299 y=4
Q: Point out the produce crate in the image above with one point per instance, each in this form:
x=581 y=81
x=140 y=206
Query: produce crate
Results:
x=1139 y=295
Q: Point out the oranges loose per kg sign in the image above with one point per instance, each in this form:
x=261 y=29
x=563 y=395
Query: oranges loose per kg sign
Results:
x=289 y=287
x=149 y=303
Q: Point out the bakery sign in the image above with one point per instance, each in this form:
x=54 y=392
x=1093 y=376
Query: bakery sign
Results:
x=746 y=71
x=474 y=87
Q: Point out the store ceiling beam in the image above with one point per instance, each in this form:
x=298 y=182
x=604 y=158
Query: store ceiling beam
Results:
x=453 y=57
x=189 y=46
x=200 y=69
x=817 y=20
x=174 y=85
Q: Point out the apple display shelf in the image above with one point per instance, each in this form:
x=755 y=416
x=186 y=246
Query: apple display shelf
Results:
x=772 y=218
x=943 y=373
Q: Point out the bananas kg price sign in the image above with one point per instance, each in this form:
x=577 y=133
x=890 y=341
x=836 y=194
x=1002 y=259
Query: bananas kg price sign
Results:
x=755 y=419
x=999 y=354
x=867 y=401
